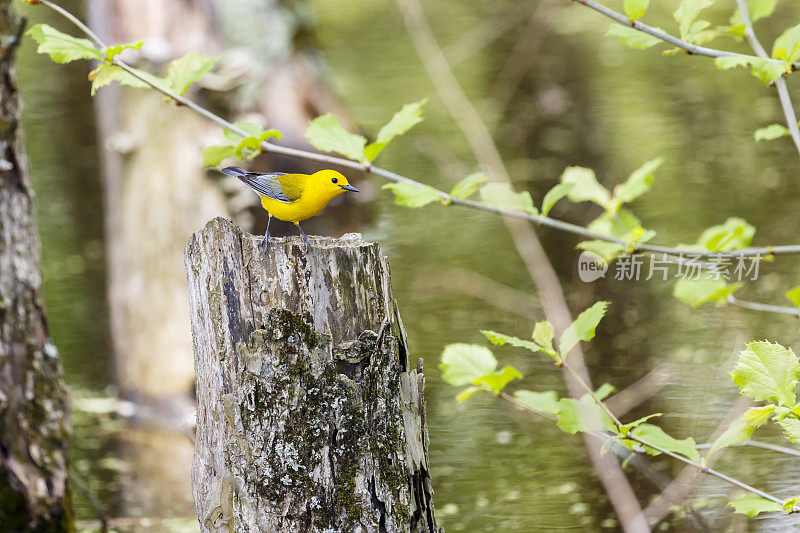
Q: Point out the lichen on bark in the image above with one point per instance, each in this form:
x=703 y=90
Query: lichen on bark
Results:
x=306 y=407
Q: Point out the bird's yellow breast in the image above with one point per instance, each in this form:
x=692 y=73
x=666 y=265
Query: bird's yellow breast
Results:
x=309 y=204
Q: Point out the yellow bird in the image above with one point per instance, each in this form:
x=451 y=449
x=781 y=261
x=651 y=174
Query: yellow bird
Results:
x=293 y=197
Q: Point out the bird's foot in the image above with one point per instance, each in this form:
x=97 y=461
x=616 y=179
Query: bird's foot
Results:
x=305 y=242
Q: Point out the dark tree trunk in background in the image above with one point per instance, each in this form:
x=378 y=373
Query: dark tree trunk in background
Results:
x=309 y=417
x=34 y=412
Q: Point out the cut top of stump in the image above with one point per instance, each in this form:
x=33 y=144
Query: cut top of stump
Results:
x=342 y=286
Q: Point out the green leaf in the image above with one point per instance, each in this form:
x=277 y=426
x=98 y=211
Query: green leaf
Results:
x=113 y=51
x=768 y=71
x=789 y=504
x=462 y=364
x=695 y=292
x=657 y=437
x=582 y=329
x=635 y=8
x=639 y=182
x=249 y=147
x=638 y=40
x=545 y=402
x=543 y=335
x=787 y=46
x=751 y=505
x=499 y=339
x=467 y=187
x=413 y=196
x=214 y=155
x=773 y=131
x=467 y=393
x=619 y=224
x=756 y=416
x=765 y=70
x=625 y=428
x=502 y=196
x=105 y=74
x=586 y=187
x=734 y=234
x=582 y=415
x=62 y=48
x=251 y=128
x=554 y=195
x=791 y=429
x=401 y=122
x=686 y=14
x=794 y=296
x=497 y=381
x=767 y=372
x=604 y=391
x=741 y=429
x=607 y=250
x=326 y=133
x=758 y=10
x=186 y=70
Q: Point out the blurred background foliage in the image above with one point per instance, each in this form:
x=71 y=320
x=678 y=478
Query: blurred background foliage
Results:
x=555 y=92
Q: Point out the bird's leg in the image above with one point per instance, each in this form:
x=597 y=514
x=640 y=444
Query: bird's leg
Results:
x=303 y=236
x=266 y=234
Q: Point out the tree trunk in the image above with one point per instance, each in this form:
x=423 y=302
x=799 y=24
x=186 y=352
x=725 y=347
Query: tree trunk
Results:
x=34 y=414
x=309 y=418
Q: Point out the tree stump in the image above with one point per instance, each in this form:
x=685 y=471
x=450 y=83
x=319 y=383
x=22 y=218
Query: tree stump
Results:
x=309 y=418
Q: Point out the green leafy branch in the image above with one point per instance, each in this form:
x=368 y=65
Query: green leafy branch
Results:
x=617 y=231
x=764 y=372
x=695 y=32
x=499 y=203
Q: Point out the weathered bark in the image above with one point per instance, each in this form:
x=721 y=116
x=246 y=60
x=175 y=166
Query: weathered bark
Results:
x=34 y=414
x=309 y=418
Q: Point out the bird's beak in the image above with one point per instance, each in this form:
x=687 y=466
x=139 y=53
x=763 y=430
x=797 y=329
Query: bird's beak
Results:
x=349 y=188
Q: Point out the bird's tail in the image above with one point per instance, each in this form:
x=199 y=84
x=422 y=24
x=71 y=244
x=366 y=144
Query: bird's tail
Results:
x=236 y=172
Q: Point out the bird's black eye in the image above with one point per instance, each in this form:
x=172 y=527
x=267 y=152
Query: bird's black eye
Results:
x=334 y=180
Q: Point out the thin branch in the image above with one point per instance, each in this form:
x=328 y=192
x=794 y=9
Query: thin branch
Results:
x=756 y=306
x=757 y=444
x=707 y=470
x=591 y=393
x=72 y=18
x=690 y=48
x=700 y=468
x=780 y=83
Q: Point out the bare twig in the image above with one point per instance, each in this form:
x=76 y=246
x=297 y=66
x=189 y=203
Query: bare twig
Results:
x=758 y=444
x=446 y=198
x=780 y=83
x=756 y=306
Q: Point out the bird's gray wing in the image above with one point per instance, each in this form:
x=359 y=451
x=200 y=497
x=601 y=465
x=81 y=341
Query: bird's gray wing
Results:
x=266 y=184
